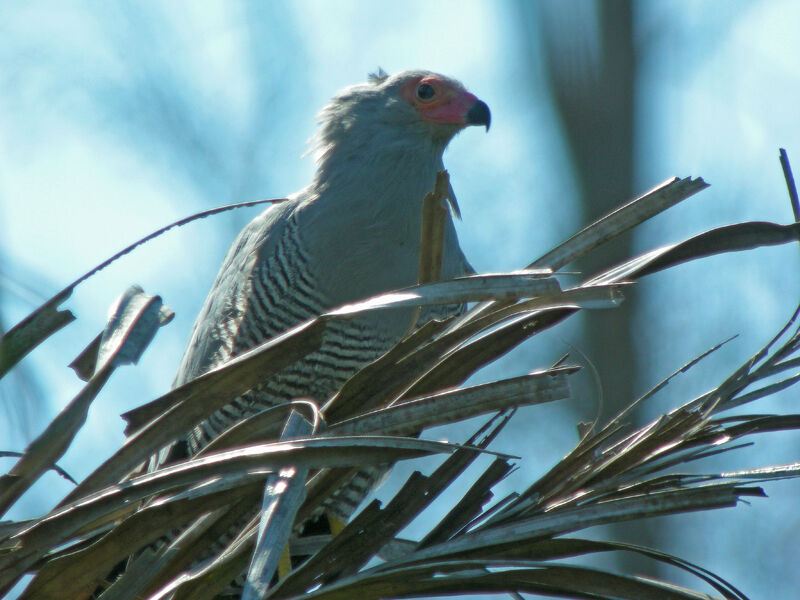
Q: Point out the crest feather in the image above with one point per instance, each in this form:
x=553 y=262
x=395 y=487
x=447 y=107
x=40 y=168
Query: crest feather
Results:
x=378 y=76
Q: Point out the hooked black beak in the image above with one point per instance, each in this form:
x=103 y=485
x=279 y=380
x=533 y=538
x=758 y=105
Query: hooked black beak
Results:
x=479 y=114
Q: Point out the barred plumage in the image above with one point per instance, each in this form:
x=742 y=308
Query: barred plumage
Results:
x=347 y=346
x=354 y=232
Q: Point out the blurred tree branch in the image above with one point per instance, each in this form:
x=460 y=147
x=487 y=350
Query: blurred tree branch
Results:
x=591 y=68
x=588 y=57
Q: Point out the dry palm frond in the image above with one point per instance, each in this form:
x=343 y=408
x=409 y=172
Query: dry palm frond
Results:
x=482 y=544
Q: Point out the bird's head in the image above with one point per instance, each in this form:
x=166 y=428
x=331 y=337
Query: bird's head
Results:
x=411 y=109
x=440 y=103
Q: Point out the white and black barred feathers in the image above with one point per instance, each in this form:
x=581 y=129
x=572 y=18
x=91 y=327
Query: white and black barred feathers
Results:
x=353 y=233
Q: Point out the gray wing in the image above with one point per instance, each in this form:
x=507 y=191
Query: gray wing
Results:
x=217 y=327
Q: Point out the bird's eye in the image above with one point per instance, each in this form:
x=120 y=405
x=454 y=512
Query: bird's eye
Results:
x=425 y=91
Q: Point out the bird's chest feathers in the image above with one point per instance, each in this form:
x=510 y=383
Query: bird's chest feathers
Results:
x=370 y=245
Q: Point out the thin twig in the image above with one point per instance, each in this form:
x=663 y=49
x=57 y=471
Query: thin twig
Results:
x=158 y=232
x=790 y=185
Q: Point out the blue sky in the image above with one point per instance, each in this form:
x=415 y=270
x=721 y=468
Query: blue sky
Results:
x=88 y=163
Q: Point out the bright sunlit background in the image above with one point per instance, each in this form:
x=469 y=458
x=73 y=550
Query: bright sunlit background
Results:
x=119 y=117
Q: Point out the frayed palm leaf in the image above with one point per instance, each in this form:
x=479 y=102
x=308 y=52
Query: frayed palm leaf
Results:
x=514 y=544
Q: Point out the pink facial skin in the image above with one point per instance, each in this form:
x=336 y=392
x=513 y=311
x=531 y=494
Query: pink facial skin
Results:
x=448 y=104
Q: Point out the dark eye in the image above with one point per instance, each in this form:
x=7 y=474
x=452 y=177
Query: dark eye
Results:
x=425 y=91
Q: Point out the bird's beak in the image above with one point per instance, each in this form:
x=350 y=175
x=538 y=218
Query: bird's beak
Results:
x=479 y=114
x=459 y=109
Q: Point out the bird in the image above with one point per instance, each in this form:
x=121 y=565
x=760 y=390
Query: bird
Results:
x=352 y=233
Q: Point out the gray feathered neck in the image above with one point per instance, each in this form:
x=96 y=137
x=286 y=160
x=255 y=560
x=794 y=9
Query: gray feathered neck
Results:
x=370 y=140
